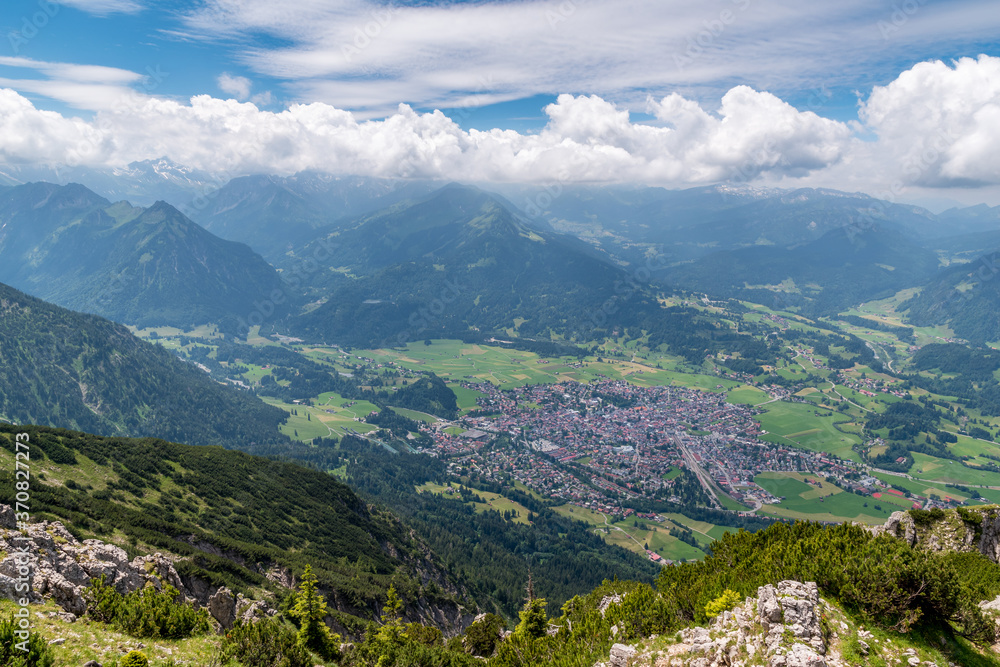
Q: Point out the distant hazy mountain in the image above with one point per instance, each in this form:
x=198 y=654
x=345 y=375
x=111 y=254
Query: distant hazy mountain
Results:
x=66 y=369
x=823 y=276
x=456 y=259
x=687 y=224
x=274 y=214
x=969 y=220
x=138 y=266
x=141 y=183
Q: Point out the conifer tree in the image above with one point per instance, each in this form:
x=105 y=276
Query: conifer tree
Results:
x=310 y=610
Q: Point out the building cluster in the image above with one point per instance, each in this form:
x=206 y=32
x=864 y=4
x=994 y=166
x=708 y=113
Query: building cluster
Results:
x=603 y=444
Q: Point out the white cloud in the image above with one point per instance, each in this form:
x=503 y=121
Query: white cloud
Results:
x=934 y=125
x=237 y=86
x=104 y=7
x=89 y=87
x=367 y=56
x=941 y=124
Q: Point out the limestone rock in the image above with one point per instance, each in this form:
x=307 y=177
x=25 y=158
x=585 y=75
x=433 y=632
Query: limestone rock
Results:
x=621 y=655
x=60 y=567
x=222 y=607
x=899 y=525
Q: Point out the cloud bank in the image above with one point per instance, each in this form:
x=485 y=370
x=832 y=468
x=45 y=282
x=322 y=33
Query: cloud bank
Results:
x=936 y=125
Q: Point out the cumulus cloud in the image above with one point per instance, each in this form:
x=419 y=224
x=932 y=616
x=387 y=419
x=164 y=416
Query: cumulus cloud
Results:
x=237 y=86
x=940 y=124
x=936 y=124
x=586 y=139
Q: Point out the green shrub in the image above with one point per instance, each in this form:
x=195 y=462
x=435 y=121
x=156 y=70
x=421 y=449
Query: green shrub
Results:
x=145 y=613
x=927 y=517
x=38 y=655
x=264 y=643
x=728 y=600
x=135 y=659
x=882 y=578
x=481 y=638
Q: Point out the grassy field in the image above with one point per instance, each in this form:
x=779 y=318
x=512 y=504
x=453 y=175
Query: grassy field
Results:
x=822 y=501
x=456 y=361
x=799 y=425
x=333 y=415
x=922 y=488
x=86 y=640
x=628 y=536
x=747 y=396
x=416 y=415
x=931 y=468
x=494 y=501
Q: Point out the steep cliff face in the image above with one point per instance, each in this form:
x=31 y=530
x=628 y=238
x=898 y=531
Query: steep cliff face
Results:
x=964 y=529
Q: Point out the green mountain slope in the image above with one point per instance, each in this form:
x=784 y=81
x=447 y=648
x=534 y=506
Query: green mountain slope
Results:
x=966 y=297
x=230 y=518
x=454 y=260
x=147 y=267
x=827 y=275
x=62 y=368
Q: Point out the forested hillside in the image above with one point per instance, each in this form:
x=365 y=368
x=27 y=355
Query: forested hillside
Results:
x=80 y=371
x=230 y=517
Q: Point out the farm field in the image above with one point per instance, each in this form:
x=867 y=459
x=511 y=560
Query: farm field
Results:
x=797 y=424
x=745 y=395
x=456 y=361
x=333 y=415
x=627 y=536
x=823 y=501
x=931 y=468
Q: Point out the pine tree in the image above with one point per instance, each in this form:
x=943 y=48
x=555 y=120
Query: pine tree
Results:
x=310 y=610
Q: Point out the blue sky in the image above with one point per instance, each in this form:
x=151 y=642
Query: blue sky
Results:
x=498 y=67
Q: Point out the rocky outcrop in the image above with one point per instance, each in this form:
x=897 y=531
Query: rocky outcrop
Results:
x=965 y=529
x=222 y=607
x=47 y=561
x=778 y=628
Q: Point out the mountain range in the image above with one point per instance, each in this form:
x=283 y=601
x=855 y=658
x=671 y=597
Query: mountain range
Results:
x=365 y=259
x=141 y=266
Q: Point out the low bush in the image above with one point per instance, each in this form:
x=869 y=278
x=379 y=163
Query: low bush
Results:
x=11 y=655
x=264 y=643
x=145 y=613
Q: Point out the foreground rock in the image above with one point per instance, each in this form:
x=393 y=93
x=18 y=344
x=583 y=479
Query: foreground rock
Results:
x=54 y=564
x=965 y=529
